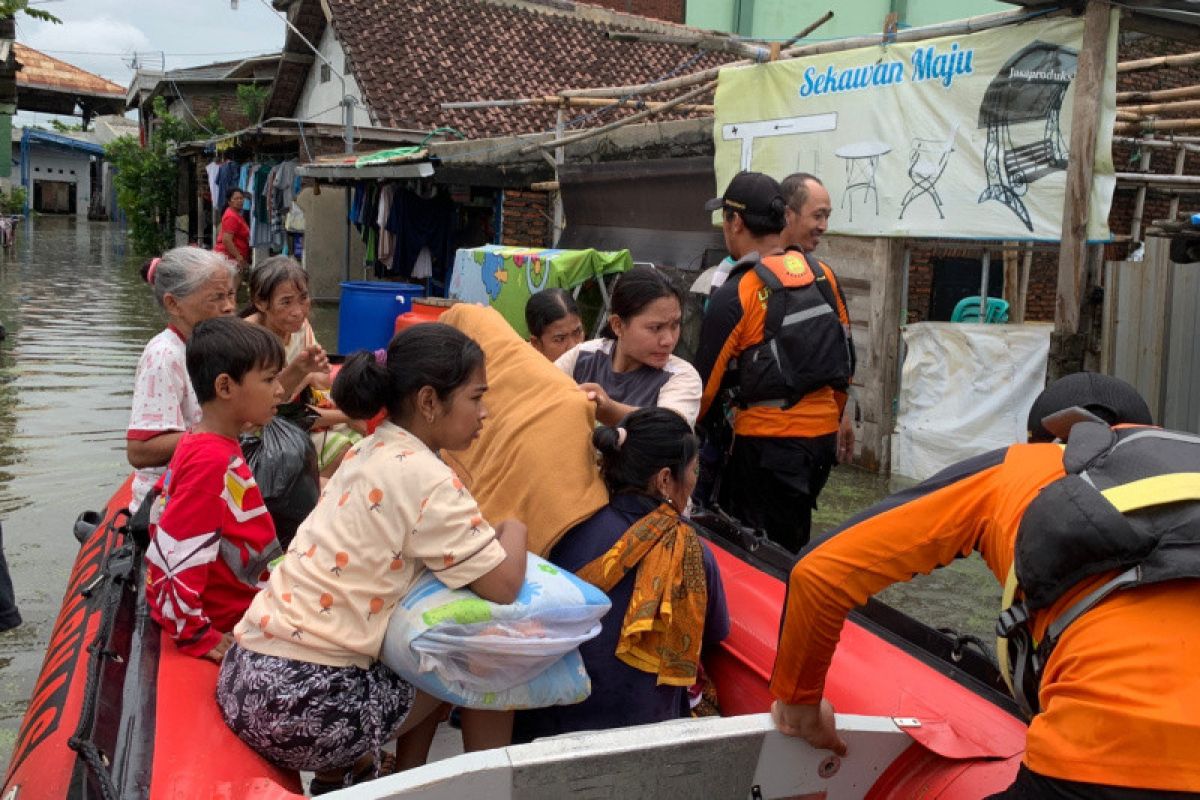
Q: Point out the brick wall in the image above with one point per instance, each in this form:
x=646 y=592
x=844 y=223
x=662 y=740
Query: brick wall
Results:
x=669 y=10
x=1043 y=275
x=227 y=109
x=526 y=219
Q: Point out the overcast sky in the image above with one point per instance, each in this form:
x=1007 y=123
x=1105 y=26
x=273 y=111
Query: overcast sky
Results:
x=102 y=36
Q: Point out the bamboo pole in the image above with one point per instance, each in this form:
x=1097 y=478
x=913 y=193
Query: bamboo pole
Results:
x=828 y=15
x=1139 y=203
x=1181 y=60
x=1181 y=93
x=1157 y=144
x=1158 y=125
x=958 y=27
x=1160 y=180
x=618 y=102
x=589 y=133
x=1154 y=109
x=579 y=102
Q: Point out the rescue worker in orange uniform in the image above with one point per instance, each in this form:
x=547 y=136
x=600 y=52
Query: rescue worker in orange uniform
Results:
x=776 y=337
x=1096 y=541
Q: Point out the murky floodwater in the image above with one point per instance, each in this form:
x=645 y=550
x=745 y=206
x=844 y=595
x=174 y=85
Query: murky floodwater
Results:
x=77 y=317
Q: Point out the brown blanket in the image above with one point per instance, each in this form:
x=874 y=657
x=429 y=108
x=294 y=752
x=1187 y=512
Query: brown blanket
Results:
x=534 y=460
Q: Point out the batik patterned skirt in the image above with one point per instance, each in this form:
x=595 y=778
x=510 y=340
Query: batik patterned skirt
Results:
x=304 y=716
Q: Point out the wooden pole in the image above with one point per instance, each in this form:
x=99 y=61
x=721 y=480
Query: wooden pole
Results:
x=1066 y=352
x=1181 y=60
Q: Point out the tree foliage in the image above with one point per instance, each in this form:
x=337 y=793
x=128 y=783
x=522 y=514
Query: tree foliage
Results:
x=147 y=180
x=251 y=99
x=9 y=8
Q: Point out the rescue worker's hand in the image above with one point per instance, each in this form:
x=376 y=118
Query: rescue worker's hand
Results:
x=218 y=652
x=845 y=440
x=813 y=723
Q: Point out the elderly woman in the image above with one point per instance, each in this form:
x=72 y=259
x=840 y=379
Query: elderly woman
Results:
x=190 y=285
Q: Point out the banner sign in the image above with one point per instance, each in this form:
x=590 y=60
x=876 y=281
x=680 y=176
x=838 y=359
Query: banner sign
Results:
x=958 y=137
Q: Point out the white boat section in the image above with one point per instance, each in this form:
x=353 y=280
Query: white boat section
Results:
x=711 y=757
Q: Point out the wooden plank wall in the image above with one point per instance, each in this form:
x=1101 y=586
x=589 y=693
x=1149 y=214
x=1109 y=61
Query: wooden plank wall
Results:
x=1150 y=333
x=870 y=273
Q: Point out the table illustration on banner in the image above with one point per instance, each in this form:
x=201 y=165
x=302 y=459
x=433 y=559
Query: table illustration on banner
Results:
x=862 y=161
x=506 y=277
x=1029 y=89
x=747 y=132
x=926 y=163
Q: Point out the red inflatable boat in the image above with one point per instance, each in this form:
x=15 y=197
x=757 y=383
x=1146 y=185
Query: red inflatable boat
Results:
x=118 y=712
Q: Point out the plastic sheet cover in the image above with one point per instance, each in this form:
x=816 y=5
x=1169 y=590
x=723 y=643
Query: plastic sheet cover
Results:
x=965 y=389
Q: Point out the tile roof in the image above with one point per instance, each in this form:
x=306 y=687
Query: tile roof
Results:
x=409 y=56
x=43 y=71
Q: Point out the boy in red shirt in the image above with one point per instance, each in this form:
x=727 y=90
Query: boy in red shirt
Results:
x=211 y=538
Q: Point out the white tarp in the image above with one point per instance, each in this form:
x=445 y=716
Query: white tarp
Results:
x=965 y=389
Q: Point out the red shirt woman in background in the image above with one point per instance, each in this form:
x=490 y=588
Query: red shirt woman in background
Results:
x=233 y=239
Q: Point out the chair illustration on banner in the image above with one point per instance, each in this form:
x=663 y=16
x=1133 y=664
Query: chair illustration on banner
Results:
x=967 y=310
x=926 y=163
x=1028 y=89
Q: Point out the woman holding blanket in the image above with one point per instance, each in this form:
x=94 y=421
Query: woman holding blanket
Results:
x=303 y=685
x=641 y=552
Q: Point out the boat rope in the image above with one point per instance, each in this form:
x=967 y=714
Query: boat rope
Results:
x=120 y=566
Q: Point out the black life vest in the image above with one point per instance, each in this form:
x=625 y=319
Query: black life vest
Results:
x=1130 y=502
x=805 y=346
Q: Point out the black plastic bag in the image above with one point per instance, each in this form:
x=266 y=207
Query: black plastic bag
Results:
x=284 y=463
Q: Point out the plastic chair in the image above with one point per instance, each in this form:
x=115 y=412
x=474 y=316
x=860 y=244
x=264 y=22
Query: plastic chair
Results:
x=967 y=310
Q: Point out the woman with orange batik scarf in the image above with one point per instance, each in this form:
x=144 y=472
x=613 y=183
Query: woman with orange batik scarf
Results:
x=668 y=604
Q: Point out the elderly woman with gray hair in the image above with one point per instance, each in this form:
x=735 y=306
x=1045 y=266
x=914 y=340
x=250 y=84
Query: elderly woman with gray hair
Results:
x=190 y=285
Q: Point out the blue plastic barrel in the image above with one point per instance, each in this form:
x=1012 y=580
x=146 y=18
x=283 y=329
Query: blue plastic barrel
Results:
x=368 y=310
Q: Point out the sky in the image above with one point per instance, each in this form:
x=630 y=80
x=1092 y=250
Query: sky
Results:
x=103 y=36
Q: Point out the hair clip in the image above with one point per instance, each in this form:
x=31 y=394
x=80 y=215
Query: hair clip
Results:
x=622 y=435
x=381 y=356
x=152 y=270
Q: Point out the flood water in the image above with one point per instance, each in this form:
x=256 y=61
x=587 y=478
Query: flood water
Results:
x=77 y=316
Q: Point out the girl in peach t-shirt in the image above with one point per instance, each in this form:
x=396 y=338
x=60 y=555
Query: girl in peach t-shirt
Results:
x=302 y=685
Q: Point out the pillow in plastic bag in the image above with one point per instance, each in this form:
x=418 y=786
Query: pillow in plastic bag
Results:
x=458 y=647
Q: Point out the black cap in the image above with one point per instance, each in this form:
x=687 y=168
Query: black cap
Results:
x=750 y=193
x=1112 y=399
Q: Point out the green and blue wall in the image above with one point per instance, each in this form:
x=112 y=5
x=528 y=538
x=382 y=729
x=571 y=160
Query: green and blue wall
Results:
x=780 y=19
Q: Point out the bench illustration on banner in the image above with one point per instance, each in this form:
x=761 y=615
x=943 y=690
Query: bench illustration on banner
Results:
x=1029 y=89
x=747 y=132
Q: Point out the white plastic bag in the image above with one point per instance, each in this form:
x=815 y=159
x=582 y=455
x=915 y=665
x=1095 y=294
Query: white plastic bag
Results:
x=458 y=647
